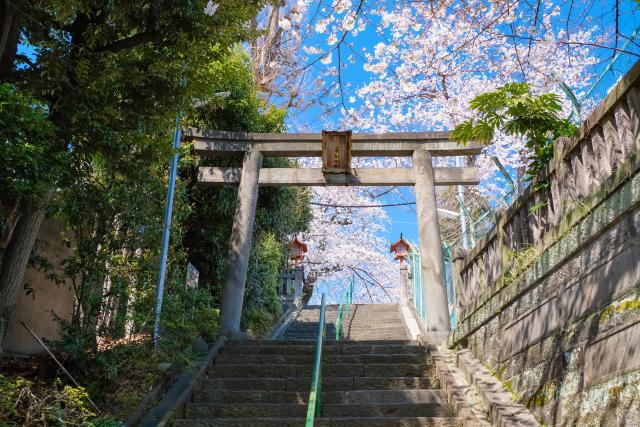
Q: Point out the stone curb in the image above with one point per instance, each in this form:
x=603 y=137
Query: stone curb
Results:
x=503 y=411
x=455 y=393
x=179 y=394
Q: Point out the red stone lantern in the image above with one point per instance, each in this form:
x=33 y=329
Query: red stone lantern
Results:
x=298 y=249
x=401 y=249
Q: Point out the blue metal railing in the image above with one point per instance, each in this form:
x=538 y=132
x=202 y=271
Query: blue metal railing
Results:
x=416 y=281
x=315 y=396
x=347 y=300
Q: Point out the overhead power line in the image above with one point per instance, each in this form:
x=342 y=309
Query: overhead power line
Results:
x=330 y=205
x=444 y=212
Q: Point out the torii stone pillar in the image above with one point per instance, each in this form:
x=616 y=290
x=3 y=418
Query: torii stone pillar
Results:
x=434 y=294
x=240 y=244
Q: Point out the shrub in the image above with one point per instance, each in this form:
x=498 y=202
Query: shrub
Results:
x=24 y=403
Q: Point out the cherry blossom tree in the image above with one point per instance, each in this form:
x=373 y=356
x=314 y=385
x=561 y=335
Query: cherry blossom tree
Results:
x=345 y=242
x=381 y=65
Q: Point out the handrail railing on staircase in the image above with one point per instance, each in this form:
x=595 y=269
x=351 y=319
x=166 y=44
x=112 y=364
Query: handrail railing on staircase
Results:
x=315 y=396
x=348 y=299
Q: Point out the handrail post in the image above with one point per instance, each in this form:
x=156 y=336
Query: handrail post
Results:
x=339 y=324
x=315 y=398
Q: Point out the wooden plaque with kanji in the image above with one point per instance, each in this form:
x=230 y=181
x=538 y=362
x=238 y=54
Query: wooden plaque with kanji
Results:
x=336 y=151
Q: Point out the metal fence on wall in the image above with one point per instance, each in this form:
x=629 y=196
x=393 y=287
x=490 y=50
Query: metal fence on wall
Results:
x=415 y=293
x=607 y=75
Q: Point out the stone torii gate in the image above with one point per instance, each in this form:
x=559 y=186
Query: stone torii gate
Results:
x=421 y=146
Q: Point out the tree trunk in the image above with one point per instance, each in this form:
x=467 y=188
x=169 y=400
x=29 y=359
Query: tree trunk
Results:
x=15 y=260
x=10 y=19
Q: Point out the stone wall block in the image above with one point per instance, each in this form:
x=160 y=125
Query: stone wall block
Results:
x=487 y=264
x=625 y=129
x=518 y=233
x=509 y=235
x=633 y=102
x=474 y=285
x=482 y=272
x=602 y=154
x=535 y=223
x=589 y=162
x=566 y=187
x=525 y=232
x=555 y=203
x=559 y=150
x=580 y=177
x=494 y=261
x=612 y=141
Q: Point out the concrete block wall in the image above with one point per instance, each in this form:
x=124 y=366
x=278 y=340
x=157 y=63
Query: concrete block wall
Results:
x=550 y=300
x=35 y=308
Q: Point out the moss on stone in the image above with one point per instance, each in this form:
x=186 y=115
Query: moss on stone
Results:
x=627 y=305
x=543 y=395
x=508 y=385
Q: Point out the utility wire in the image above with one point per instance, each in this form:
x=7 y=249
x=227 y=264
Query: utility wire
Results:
x=329 y=205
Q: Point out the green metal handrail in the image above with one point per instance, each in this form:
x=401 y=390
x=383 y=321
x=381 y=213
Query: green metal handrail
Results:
x=348 y=299
x=315 y=397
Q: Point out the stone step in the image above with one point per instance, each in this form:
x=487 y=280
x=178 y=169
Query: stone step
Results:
x=312 y=341
x=332 y=370
x=349 y=397
x=242 y=410
x=329 y=348
x=349 y=333
x=246 y=359
x=394 y=396
x=322 y=422
x=298 y=410
x=371 y=322
x=328 y=383
x=386 y=410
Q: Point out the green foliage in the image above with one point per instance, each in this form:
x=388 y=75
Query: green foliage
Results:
x=102 y=89
x=242 y=109
x=280 y=212
x=188 y=313
x=261 y=304
x=27 y=164
x=514 y=110
x=90 y=119
x=114 y=210
x=24 y=403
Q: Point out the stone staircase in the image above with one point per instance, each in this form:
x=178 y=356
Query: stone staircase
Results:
x=375 y=377
x=365 y=322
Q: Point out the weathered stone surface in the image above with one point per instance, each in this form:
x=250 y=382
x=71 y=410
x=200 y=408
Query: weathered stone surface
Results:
x=330 y=370
x=396 y=370
x=333 y=422
x=560 y=329
x=241 y=410
x=394 y=396
x=633 y=103
x=431 y=264
x=256 y=384
x=212 y=176
x=240 y=245
x=387 y=410
x=252 y=371
x=502 y=410
x=394 y=383
x=612 y=355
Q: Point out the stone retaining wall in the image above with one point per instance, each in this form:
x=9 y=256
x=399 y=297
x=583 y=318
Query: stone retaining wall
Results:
x=550 y=299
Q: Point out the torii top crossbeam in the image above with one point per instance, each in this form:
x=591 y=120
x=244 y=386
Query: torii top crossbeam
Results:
x=397 y=144
x=401 y=144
